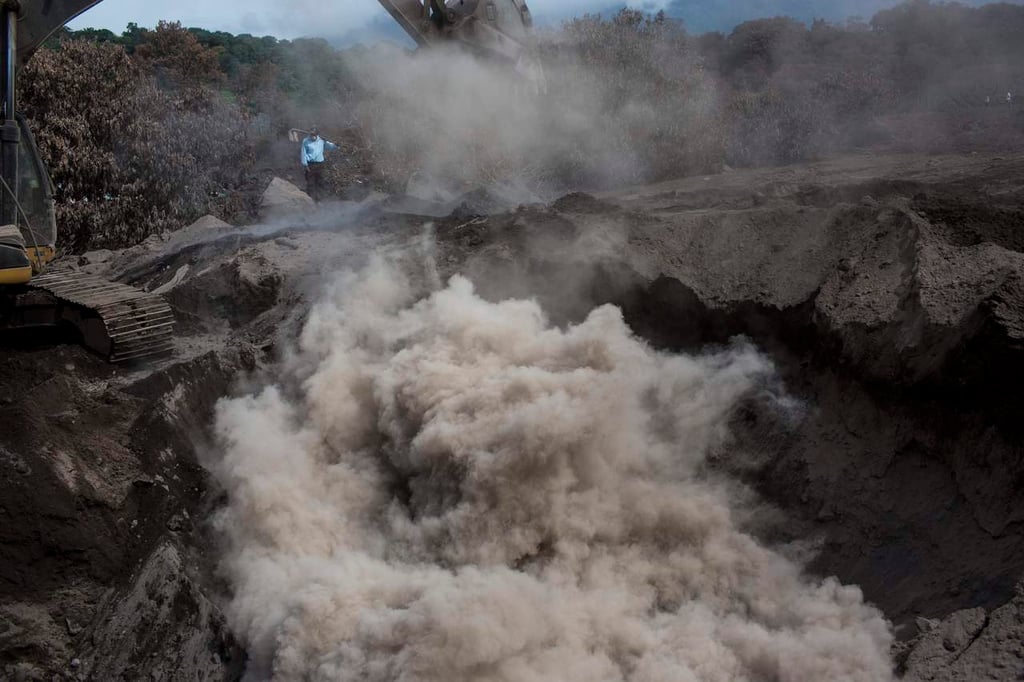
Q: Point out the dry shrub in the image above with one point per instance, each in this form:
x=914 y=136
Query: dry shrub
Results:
x=128 y=159
x=350 y=171
x=774 y=127
x=177 y=58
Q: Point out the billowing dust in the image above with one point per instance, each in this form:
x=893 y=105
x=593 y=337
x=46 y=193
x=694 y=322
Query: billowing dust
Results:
x=437 y=487
x=454 y=122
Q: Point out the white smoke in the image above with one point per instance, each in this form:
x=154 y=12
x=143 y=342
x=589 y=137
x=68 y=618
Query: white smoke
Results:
x=443 y=488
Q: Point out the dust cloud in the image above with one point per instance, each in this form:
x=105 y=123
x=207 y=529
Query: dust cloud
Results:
x=437 y=487
x=449 y=122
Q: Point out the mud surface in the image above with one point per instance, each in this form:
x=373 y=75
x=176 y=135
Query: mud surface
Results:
x=888 y=290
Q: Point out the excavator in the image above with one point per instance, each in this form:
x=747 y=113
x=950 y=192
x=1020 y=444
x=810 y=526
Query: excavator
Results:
x=117 y=321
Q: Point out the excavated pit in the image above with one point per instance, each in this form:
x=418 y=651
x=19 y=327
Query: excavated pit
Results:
x=886 y=291
x=905 y=461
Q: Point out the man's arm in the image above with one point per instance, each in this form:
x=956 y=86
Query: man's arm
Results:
x=330 y=146
x=302 y=155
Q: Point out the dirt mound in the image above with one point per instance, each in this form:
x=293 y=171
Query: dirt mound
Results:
x=101 y=468
x=283 y=199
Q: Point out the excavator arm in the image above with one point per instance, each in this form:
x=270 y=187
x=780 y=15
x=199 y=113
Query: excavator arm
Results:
x=38 y=19
x=497 y=28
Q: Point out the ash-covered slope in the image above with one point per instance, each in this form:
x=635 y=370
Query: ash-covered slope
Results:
x=885 y=290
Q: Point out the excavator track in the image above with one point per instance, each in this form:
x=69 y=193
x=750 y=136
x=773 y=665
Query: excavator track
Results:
x=116 y=320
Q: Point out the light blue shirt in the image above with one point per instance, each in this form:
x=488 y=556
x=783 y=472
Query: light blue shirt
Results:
x=313 y=150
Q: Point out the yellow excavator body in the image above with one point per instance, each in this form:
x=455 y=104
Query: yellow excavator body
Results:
x=13 y=274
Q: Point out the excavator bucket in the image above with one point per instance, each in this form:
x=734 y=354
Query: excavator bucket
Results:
x=497 y=28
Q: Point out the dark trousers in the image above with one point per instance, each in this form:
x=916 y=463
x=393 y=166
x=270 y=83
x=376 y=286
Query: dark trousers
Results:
x=315 y=180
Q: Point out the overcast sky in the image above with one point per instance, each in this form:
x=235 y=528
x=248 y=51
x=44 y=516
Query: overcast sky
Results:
x=273 y=17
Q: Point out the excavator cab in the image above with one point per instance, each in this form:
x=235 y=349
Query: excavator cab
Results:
x=117 y=321
x=29 y=243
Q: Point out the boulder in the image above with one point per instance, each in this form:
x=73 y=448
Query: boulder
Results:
x=971 y=645
x=282 y=199
x=96 y=262
x=96 y=257
x=178 y=278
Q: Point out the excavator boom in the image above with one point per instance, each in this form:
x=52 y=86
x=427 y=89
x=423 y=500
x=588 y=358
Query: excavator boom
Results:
x=495 y=27
x=38 y=19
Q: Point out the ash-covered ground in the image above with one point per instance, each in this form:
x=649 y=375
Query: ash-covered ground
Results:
x=355 y=467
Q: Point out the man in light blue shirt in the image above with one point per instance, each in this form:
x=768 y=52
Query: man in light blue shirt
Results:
x=313 y=148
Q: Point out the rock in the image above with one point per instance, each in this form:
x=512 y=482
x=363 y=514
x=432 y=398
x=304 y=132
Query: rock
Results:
x=282 y=199
x=287 y=242
x=16 y=462
x=153 y=241
x=969 y=645
x=95 y=257
x=908 y=305
x=73 y=629
x=161 y=609
x=179 y=277
x=176 y=523
x=926 y=624
x=236 y=291
x=960 y=629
